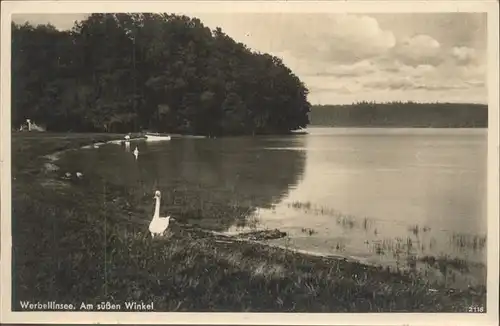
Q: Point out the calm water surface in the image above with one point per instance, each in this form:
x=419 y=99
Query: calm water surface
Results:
x=396 y=197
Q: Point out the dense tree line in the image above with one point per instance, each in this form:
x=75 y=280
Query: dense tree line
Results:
x=167 y=73
x=401 y=114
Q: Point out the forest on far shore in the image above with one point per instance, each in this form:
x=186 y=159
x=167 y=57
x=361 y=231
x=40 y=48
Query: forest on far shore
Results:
x=401 y=114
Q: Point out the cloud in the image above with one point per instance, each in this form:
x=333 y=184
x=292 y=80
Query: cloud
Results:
x=464 y=55
x=445 y=76
x=350 y=38
x=359 y=68
x=336 y=90
x=476 y=83
x=350 y=57
x=336 y=38
x=367 y=58
x=419 y=71
x=412 y=84
x=417 y=50
x=399 y=84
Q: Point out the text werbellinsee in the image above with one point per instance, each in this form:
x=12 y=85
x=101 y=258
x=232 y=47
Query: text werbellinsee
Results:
x=102 y=306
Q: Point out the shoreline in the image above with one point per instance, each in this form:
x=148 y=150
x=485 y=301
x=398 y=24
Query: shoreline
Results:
x=54 y=157
x=269 y=251
x=237 y=236
x=391 y=127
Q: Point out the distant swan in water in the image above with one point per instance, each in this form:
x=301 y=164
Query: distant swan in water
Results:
x=158 y=224
x=136 y=152
x=69 y=176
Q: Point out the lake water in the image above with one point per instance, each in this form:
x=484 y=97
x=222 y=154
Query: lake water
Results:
x=403 y=198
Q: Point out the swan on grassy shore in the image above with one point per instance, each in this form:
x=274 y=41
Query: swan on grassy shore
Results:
x=127 y=137
x=79 y=175
x=158 y=224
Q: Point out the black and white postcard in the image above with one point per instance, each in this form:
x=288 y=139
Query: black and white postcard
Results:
x=250 y=162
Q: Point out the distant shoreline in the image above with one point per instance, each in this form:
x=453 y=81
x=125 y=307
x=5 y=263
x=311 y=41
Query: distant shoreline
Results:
x=391 y=127
x=400 y=115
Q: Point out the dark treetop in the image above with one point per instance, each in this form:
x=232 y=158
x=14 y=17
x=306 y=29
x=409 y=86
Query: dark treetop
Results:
x=166 y=73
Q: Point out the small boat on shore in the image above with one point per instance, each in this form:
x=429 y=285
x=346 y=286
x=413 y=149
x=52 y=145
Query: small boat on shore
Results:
x=300 y=131
x=157 y=137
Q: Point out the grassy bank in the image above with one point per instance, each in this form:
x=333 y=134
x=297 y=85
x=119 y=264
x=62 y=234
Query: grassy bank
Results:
x=70 y=245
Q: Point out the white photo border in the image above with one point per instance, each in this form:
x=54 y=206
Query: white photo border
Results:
x=373 y=6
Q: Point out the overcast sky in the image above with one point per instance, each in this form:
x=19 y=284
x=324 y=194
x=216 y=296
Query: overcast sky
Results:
x=344 y=58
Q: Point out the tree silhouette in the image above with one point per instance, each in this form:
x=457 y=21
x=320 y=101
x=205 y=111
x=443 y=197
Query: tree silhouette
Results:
x=169 y=73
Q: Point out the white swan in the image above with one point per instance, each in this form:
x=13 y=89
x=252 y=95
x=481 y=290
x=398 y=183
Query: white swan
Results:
x=158 y=224
x=136 y=152
x=127 y=137
x=79 y=175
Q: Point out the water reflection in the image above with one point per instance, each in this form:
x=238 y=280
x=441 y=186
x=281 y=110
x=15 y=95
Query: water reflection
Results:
x=217 y=183
x=136 y=152
x=412 y=199
x=391 y=199
x=207 y=182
